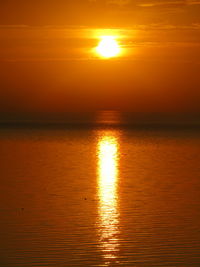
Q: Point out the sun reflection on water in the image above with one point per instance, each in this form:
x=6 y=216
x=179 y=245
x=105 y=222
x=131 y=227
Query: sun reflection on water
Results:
x=108 y=150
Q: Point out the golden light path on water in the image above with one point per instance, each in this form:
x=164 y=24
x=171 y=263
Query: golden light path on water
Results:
x=108 y=149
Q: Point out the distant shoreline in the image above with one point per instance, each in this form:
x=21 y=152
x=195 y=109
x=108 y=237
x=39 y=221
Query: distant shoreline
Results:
x=142 y=125
x=102 y=119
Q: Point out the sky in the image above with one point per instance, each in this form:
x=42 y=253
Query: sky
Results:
x=48 y=64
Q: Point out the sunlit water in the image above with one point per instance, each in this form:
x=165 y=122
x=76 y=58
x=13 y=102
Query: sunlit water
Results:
x=99 y=197
x=108 y=195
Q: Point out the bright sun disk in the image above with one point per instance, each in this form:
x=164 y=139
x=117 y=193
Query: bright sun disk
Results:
x=108 y=47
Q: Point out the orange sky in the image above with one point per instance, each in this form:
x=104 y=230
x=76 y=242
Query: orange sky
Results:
x=47 y=63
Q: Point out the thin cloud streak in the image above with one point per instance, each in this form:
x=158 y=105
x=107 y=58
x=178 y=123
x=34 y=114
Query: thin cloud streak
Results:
x=77 y=43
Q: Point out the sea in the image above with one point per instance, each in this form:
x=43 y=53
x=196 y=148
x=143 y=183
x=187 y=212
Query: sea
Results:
x=107 y=193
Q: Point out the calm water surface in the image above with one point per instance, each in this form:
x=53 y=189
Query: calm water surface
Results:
x=99 y=197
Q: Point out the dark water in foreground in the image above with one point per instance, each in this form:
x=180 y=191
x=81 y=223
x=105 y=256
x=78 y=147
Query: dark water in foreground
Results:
x=99 y=197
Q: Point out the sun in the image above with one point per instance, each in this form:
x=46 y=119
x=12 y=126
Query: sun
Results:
x=108 y=47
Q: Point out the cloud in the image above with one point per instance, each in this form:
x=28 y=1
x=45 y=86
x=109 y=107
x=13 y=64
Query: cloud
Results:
x=193 y=2
x=146 y=3
x=120 y=3
x=154 y=3
x=161 y=3
x=99 y=13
